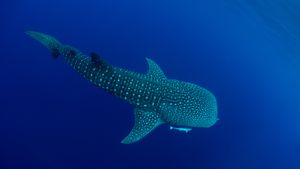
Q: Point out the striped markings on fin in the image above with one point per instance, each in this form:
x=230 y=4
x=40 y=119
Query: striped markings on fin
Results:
x=180 y=129
x=145 y=122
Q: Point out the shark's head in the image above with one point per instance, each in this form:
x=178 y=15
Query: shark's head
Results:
x=189 y=105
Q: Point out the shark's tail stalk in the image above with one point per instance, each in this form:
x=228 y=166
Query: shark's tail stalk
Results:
x=50 y=42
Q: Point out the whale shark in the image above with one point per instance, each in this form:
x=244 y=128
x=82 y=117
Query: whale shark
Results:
x=156 y=99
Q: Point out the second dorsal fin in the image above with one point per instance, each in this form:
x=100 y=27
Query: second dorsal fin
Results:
x=97 y=60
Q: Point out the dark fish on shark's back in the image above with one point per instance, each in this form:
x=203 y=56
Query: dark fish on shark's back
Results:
x=157 y=100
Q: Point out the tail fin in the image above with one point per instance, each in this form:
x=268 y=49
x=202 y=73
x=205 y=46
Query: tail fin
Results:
x=50 y=42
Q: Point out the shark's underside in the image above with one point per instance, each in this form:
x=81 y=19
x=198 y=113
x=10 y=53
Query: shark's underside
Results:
x=157 y=100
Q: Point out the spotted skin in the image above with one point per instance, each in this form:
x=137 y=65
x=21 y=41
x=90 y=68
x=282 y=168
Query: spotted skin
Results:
x=157 y=100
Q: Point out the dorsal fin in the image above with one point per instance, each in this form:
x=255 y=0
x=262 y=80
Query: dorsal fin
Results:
x=155 y=71
x=97 y=60
x=145 y=122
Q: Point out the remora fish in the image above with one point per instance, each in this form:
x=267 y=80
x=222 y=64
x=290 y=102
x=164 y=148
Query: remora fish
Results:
x=180 y=129
x=157 y=100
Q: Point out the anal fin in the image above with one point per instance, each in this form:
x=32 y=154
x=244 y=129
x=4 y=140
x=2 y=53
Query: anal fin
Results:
x=55 y=53
x=145 y=122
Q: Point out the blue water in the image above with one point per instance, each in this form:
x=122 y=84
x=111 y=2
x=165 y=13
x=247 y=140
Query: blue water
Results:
x=245 y=52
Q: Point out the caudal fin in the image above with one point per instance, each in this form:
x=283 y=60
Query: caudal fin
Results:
x=50 y=42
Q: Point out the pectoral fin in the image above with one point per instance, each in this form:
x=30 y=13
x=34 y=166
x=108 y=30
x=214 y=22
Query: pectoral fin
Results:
x=145 y=122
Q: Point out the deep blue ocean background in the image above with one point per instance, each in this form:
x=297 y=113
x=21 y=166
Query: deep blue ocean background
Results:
x=244 y=51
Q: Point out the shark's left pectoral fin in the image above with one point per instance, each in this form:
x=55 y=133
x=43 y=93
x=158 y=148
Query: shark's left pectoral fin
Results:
x=145 y=122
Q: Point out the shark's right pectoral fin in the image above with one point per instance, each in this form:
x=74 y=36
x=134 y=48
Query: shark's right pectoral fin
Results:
x=145 y=122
